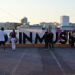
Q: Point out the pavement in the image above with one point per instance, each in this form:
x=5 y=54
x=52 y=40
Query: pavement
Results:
x=37 y=61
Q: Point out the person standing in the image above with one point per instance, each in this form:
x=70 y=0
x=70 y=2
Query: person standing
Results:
x=2 y=37
x=72 y=38
x=48 y=39
x=13 y=39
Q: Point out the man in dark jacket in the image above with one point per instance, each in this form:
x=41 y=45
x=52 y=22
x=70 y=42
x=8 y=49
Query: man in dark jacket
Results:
x=72 y=38
x=48 y=39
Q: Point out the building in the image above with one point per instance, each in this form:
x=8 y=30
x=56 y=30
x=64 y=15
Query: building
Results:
x=24 y=21
x=48 y=25
x=65 y=24
x=64 y=20
x=24 y=24
x=9 y=25
x=35 y=26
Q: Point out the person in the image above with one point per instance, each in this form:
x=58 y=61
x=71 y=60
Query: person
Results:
x=2 y=37
x=48 y=39
x=72 y=38
x=13 y=39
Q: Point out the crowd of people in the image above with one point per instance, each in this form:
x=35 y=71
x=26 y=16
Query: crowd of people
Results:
x=48 y=38
x=4 y=38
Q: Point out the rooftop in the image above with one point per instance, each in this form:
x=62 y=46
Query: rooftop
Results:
x=37 y=61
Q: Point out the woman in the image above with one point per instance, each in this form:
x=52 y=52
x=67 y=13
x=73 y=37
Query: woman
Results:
x=13 y=39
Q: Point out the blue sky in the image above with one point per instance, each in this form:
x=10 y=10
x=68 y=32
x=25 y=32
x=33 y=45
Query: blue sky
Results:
x=36 y=10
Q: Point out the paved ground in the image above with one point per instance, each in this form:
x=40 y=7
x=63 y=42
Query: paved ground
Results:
x=37 y=61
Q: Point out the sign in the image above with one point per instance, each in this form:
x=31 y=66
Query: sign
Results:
x=37 y=36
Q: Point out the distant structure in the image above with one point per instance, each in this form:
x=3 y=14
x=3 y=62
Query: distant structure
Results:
x=24 y=24
x=48 y=25
x=9 y=25
x=65 y=23
x=24 y=21
x=64 y=20
x=54 y=26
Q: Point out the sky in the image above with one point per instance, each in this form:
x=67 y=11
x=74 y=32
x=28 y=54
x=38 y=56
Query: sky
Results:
x=36 y=10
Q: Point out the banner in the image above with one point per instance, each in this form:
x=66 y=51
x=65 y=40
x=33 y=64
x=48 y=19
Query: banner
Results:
x=29 y=36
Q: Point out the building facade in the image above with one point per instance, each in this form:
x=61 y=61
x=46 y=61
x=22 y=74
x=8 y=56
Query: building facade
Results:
x=9 y=25
x=64 y=20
